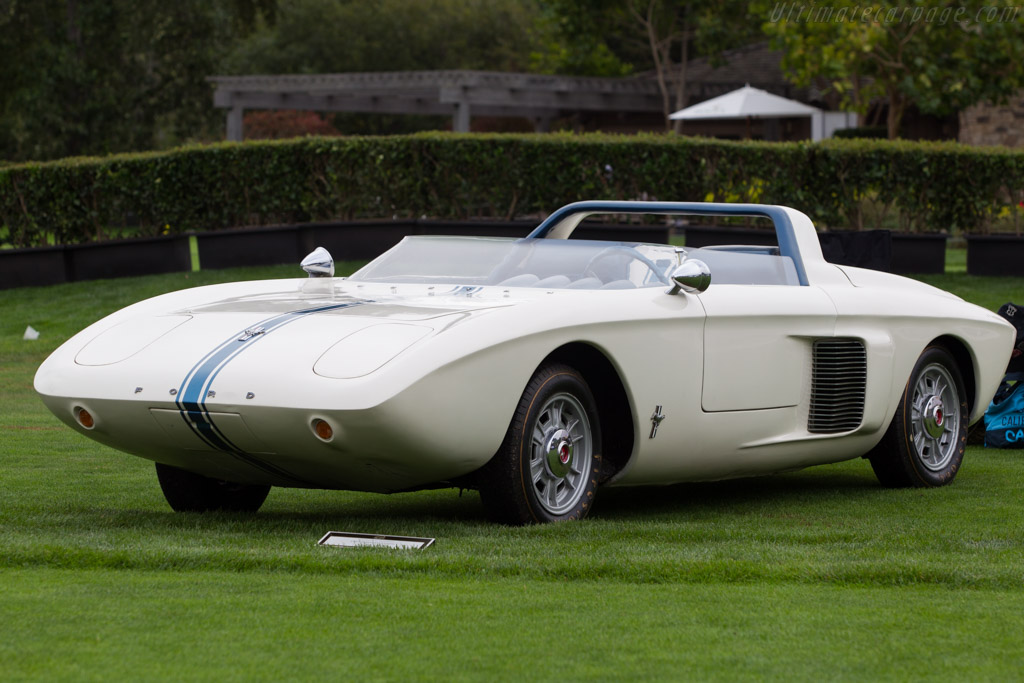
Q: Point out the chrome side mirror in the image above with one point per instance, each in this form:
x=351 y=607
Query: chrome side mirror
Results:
x=691 y=276
x=318 y=263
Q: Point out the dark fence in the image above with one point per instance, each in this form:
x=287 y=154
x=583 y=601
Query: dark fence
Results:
x=269 y=245
x=363 y=240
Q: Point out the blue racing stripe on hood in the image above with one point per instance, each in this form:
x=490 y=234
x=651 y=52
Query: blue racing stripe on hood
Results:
x=194 y=389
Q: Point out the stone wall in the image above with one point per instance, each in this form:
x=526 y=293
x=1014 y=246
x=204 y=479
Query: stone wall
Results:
x=985 y=124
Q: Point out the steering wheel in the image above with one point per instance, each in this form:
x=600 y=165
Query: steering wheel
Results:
x=611 y=252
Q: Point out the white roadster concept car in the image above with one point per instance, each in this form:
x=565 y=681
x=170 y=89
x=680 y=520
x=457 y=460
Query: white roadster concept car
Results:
x=537 y=370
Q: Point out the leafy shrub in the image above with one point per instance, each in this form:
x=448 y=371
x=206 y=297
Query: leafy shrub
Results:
x=839 y=183
x=859 y=132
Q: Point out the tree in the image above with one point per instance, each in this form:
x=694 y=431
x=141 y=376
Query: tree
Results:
x=673 y=30
x=661 y=35
x=940 y=56
x=98 y=76
x=581 y=38
x=670 y=28
x=332 y=36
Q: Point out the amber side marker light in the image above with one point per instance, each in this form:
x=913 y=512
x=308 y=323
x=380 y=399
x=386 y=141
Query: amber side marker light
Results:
x=85 y=418
x=323 y=430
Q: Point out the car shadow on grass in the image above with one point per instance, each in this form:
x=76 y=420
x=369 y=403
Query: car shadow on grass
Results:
x=290 y=511
x=295 y=511
x=749 y=495
x=738 y=496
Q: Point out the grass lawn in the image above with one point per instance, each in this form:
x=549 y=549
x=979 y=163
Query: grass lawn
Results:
x=819 y=574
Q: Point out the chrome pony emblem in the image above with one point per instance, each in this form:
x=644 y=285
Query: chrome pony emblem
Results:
x=656 y=419
x=250 y=333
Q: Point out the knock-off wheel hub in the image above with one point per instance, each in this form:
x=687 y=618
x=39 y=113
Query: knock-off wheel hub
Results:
x=933 y=417
x=559 y=453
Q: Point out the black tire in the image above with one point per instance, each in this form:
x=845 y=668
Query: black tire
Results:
x=189 y=492
x=924 y=445
x=547 y=468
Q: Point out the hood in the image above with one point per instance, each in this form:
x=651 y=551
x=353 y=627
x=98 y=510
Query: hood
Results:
x=289 y=323
x=413 y=303
x=207 y=339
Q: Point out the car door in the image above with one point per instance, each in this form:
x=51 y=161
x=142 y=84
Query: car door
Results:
x=758 y=342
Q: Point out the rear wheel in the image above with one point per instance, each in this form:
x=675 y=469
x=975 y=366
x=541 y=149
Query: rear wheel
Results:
x=924 y=445
x=189 y=492
x=547 y=467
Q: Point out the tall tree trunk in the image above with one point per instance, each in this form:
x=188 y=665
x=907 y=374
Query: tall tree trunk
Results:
x=858 y=103
x=897 y=103
x=661 y=54
x=677 y=126
x=661 y=36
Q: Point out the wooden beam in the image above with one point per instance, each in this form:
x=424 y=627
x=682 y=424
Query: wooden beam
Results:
x=458 y=94
x=235 y=131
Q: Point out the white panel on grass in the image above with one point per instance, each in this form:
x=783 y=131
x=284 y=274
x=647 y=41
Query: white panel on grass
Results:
x=352 y=540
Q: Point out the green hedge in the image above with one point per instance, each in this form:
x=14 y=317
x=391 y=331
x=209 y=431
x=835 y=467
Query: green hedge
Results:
x=839 y=183
x=869 y=132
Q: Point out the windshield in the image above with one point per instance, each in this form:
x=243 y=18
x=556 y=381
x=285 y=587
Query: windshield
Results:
x=548 y=263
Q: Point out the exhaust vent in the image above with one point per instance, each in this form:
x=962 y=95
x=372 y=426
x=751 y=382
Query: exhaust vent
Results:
x=838 y=382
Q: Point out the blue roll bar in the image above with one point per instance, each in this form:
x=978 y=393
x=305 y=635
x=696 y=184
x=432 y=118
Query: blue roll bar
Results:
x=783 y=226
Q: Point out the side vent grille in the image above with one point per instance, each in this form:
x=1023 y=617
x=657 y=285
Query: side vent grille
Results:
x=838 y=382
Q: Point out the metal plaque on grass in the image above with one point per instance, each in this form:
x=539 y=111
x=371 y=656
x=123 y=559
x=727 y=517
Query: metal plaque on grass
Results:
x=351 y=540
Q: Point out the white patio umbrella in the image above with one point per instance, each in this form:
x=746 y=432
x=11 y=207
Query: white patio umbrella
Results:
x=746 y=103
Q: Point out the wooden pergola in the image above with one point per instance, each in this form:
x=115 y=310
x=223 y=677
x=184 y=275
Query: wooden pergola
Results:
x=459 y=94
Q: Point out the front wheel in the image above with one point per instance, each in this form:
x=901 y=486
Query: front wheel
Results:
x=547 y=467
x=189 y=492
x=924 y=445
